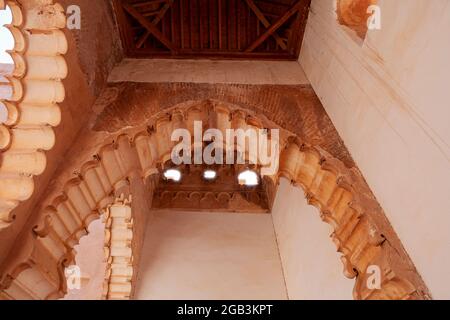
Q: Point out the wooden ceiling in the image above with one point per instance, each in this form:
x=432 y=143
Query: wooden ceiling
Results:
x=223 y=29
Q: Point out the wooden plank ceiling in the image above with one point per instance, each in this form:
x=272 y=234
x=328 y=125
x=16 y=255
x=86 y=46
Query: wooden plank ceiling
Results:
x=223 y=29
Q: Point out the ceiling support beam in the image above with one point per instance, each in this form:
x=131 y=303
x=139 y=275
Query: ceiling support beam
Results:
x=217 y=29
x=261 y=17
x=155 y=21
x=269 y=32
x=149 y=26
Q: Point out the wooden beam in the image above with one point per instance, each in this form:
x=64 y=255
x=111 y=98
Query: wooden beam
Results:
x=149 y=26
x=294 y=9
x=265 y=22
x=200 y=24
x=147 y=3
x=213 y=54
x=155 y=21
x=172 y=25
x=211 y=26
x=124 y=26
x=191 y=23
x=219 y=14
x=228 y=25
x=238 y=27
x=181 y=24
x=301 y=31
x=293 y=34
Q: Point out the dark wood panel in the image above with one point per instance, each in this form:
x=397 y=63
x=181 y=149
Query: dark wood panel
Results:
x=222 y=29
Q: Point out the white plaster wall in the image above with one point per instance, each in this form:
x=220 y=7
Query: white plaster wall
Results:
x=312 y=267
x=389 y=100
x=209 y=71
x=188 y=255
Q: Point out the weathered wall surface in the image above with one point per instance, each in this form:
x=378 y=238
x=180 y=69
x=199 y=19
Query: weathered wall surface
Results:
x=190 y=255
x=93 y=50
x=388 y=98
x=311 y=265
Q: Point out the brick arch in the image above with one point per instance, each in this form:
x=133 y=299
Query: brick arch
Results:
x=361 y=232
x=295 y=108
x=33 y=92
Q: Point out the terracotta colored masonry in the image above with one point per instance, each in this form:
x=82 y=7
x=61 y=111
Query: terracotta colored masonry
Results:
x=31 y=95
x=292 y=107
x=361 y=232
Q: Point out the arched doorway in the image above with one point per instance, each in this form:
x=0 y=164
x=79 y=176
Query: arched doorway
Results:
x=339 y=193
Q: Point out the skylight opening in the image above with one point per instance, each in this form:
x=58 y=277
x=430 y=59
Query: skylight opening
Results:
x=209 y=174
x=248 y=178
x=172 y=174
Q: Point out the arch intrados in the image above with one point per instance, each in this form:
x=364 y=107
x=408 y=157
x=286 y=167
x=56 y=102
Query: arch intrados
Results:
x=311 y=168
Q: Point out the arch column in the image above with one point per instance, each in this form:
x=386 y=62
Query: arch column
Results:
x=125 y=225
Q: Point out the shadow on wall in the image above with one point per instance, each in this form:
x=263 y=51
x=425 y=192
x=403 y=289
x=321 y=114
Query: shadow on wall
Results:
x=311 y=265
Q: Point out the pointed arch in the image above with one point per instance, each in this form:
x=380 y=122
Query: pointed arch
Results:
x=361 y=232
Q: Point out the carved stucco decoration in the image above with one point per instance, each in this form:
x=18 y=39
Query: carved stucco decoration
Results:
x=36 y=270
x=30 y=98
x=362 y=233
x=43 y=253
x=118 y=250
x=249 y=202
x=223 y=194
